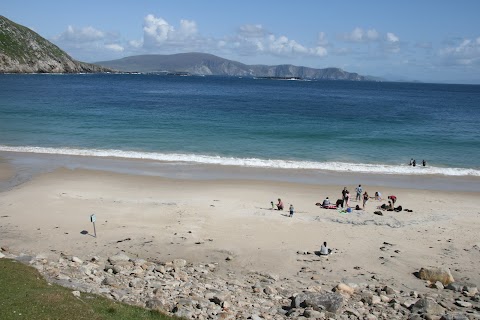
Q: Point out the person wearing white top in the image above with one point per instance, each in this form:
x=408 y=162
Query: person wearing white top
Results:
x=324 y=251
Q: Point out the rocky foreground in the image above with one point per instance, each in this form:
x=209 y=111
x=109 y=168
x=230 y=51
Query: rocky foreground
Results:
x=201 y=292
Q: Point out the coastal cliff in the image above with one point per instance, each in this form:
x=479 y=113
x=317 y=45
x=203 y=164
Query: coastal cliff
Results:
x=24 y=51
x=195 y=63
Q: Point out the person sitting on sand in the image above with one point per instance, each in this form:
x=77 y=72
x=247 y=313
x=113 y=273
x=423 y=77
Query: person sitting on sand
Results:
x=378 y=196
x=388 y=207
x=324 y=250
x=280 y=204
x=326 y=202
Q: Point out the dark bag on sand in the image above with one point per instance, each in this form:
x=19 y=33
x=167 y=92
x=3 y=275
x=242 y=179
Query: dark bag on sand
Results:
x=379 y=213
x=357 y=207
x=399 y=208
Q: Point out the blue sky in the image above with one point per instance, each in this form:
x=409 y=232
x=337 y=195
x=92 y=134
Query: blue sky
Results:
x=432 y=41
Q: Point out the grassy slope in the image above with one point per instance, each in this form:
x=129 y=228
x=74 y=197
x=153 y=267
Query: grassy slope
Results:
x=24 y=294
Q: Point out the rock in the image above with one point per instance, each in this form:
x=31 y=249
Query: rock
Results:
x=76 y=294
x=464 y=304
x=470 y=288
x=77 y=260
x=2 y=255
x=436 y=274
x=179 y=263
x=342 y=287
x=119 y=257
x=156 y=304
x=438 y=285
x=329 y=301
x=5 y=249
x=308 y=313
x=427 y=306
x=229 y=258
x=370 y=298
x=221 y=297
x=454 y=316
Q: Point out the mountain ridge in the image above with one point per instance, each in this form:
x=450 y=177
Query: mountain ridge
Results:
x=197 y=63
x=24 y=51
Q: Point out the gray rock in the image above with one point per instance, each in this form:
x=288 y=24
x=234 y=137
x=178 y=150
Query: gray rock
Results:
x=179 y=263
x=76 y=294
x=308 y=313
x=77 y=260
x=23 y=258
x=464 y=304
x=2 y=255
x=454 y=316
x=329 y=301
x=156 y=304
x=427 y=306
x=221 y=297
x=119 y=257
x=438 y=285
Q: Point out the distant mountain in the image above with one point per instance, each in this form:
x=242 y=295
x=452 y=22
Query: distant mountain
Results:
x=24 y=51
x=207 y=64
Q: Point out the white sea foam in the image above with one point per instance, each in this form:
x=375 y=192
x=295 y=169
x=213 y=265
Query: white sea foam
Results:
x=252 y=162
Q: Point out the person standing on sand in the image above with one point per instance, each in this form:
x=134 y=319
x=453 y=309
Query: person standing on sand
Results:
x=291 y=210
x=365 y=199
x=359 y=190
x=280 y=204
x=347 y=198
x=344 y=192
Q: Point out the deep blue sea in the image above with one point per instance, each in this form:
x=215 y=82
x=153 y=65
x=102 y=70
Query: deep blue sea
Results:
x=324 y=125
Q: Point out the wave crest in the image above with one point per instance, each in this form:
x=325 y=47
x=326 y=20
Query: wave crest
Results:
x=251 y=162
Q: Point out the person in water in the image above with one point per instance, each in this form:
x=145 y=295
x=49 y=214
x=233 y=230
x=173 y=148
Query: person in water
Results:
x=414 y=163
x=424 y=163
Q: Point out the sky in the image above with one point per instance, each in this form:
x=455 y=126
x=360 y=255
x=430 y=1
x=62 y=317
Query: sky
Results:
x=429 y=41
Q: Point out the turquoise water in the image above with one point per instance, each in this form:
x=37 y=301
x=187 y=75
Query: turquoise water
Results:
x=322 y=125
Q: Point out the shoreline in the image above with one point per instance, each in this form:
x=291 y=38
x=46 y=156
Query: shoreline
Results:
x=27 y=165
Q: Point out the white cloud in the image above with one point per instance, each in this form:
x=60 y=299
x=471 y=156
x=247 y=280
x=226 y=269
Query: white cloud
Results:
x=465 y=52
x=114 y=47
x=86 y=34
x=392 y=37
x=360 y=35
x=254 y=39
x=158 y=32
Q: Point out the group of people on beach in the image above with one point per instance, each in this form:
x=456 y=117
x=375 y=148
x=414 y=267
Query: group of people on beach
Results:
x=279 y=206
x=413 y=163
x=360 y=195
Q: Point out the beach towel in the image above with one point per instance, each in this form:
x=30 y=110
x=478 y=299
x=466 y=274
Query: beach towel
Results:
x=330 y=206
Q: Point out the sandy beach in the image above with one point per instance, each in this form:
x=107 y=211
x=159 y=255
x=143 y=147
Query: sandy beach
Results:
x=160 y=219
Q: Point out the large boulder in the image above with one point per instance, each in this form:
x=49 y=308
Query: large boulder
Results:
x=329 y=301
x=436 y=274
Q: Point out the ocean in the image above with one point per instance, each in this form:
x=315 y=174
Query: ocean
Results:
x=332 y=126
